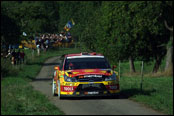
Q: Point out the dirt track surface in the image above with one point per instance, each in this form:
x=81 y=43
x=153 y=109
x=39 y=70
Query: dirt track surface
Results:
x=86 y=106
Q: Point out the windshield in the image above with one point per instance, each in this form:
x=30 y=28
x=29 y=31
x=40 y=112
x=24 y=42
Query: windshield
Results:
x=86 y=63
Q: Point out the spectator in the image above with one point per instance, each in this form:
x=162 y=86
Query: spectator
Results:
x=33 y=51
x=22 y=55
x=44 y=46
x=13 y=58
x=38 y=48
x=18 y=59
x=47 y=43
x=8 y=54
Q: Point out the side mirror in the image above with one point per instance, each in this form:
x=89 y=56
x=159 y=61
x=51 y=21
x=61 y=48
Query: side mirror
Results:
x=56 y=68
x=113 y=67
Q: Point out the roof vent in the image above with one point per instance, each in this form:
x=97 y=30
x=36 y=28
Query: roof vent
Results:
x=93 y=53
x=84 y=53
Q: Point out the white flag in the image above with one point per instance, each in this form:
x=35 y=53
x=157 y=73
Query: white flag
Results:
x=24 y=34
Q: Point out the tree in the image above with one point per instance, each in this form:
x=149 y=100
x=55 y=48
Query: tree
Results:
x=169 y=55
x=122 y=24
x=10 y=31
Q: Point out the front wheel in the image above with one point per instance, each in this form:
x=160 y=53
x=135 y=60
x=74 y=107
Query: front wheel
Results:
x=59 y=90
x=117 y=95
x=54 y=87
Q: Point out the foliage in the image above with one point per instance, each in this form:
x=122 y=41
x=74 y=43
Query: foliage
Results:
x=9 y=31
x=118 y=29
x=18 y=96
x=7 y=69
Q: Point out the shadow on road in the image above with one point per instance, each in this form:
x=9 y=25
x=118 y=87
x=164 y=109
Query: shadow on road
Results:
x=124 y=94
x=89 y=98
x=127 y=93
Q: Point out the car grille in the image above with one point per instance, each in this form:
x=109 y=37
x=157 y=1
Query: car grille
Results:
x=91 y=79
x=93 y=87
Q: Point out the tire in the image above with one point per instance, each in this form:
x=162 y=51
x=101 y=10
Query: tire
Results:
x=117 y=96
x=59 y=96
x=54 y=88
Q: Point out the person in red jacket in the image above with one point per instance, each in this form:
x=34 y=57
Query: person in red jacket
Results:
x=22 y=55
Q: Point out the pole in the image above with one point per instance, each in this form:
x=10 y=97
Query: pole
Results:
x=141 y=84
x=119 y=68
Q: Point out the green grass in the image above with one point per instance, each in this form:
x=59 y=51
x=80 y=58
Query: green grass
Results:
x=18 y=96
x=148 y=67
x=157 y=90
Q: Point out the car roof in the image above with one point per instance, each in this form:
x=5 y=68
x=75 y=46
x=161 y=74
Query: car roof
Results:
x=83 y=54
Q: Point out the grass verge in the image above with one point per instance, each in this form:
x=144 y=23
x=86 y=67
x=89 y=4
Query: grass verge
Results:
x=157 y=92
x=18 y=96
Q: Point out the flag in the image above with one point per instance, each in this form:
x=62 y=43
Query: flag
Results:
x=72 y=21
x=24 y=34
x=69 y=25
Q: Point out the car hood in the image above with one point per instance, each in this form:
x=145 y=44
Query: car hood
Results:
x=73 y=73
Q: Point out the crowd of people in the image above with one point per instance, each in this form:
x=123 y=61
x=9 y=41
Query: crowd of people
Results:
x=41 y=42
x=50 y=39
x=17 y=57
x=62 y=37
x=45 y=41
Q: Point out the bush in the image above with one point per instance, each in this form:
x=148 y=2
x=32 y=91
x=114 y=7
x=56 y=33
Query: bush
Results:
x=5 y=63
x=7 y=69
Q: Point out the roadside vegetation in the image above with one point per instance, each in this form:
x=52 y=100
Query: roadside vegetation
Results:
x=123 y=31
x=157 y=90
x=18 y=96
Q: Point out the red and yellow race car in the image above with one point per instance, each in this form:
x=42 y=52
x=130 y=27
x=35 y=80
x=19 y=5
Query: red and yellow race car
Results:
x=85 y=74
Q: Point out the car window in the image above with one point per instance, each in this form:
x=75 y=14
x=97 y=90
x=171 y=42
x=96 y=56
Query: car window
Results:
x=86 y=63
x=61 y=63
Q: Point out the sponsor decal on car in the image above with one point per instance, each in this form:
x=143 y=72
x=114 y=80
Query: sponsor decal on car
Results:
x=91 y=93
x=68 y=88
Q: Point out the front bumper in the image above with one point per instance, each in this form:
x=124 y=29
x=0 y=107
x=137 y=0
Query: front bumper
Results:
x=115 y=95
x=91 y=89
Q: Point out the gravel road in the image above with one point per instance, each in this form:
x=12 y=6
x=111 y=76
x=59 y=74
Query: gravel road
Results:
x=86 y=106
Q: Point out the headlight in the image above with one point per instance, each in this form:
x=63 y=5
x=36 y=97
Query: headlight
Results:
x=70 y=79
x=111 y=78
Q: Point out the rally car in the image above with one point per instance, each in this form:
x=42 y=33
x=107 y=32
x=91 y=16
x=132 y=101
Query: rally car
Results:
x=85 y=74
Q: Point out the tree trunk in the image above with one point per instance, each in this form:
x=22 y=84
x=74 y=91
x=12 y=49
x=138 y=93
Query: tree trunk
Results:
x=169 y=55
x=157 y=64
x=132 y=67
x=169 y=58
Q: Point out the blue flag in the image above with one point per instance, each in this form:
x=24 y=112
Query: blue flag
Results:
x=69 y=25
